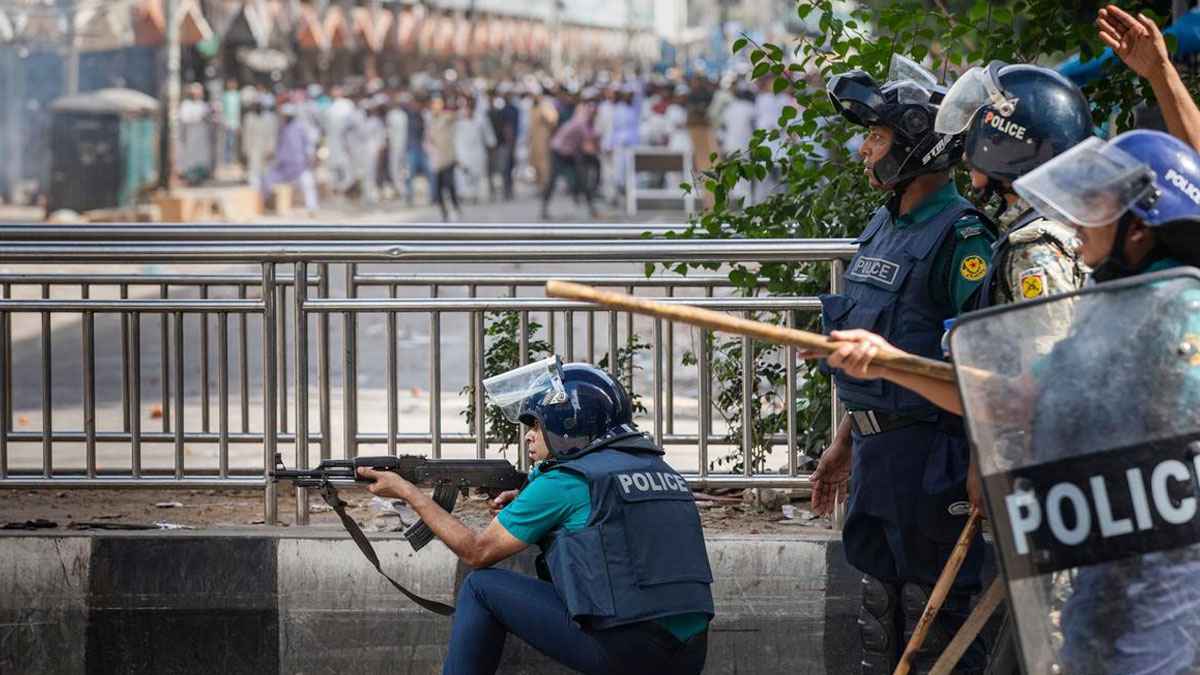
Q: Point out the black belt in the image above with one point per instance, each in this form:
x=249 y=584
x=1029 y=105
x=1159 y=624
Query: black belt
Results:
x=871 y=422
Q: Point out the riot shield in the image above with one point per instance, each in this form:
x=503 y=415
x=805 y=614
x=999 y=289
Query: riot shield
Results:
x=1083 y=412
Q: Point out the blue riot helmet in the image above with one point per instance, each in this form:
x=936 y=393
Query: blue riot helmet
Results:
x=1016 y=117
x=577 y=405
x=1145 y=175
x=907 y=103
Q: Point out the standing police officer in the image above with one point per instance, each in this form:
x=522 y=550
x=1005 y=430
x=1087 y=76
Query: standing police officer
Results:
x=920 y=258
x=1136 y=204
x=628 y=587
x=1107 y=386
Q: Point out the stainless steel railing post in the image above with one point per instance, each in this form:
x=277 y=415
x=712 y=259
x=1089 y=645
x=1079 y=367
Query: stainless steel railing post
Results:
x=299 y=297
x=270 y=506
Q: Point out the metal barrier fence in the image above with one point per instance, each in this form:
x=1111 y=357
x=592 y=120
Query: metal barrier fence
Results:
x=298 y=350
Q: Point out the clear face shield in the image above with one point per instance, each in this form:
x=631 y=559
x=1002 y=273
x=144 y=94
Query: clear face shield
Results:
x=903 y=69
x=978 y=87
x=543 y=379
x=1092 y=184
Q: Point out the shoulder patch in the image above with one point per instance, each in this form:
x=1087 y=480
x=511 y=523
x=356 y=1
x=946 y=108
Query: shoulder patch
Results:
x=1033 y=283
x=968 y=231
x=973 y=267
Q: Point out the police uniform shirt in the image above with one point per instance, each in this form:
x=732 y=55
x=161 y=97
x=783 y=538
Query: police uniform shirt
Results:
x=563 y=498
x=961 y=263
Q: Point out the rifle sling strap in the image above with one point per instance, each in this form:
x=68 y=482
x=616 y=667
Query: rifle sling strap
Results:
x=329 y=493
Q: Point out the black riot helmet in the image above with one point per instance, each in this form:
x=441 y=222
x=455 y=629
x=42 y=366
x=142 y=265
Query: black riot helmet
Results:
x=579 y=406
x=1016 y=117
x=907 y=103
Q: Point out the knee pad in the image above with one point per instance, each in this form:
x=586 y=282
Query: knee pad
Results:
x=913 y=598
x=877 y=627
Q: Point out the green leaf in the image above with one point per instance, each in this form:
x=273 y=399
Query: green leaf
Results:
x=780 y=84
x=739 y=44
x=760 y=70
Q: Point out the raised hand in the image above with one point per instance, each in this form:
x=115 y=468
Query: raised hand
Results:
x=1136 y=40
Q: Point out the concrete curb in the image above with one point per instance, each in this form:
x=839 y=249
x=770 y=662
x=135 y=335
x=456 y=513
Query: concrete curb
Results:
x=307 y=602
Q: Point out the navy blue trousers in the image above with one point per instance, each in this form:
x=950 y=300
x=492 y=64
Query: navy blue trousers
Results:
x=900 y=527
x=493 y=603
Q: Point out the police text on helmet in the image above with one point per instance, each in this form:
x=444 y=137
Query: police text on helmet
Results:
x=1183 y=184
x=1006 y=126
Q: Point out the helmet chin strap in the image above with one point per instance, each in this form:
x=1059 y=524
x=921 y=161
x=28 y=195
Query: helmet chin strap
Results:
x=990 y=189
x=1114 y=266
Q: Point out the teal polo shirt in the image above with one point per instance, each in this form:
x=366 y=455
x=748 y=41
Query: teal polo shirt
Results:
x=563 y=498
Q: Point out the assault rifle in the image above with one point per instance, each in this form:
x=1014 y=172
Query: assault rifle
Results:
x=447 y=477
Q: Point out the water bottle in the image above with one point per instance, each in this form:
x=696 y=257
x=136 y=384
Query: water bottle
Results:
x=946 y=325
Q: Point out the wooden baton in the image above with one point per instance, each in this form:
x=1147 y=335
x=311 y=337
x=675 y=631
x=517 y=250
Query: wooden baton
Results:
x=720 y=321
x=940 y=591
x=984 y=609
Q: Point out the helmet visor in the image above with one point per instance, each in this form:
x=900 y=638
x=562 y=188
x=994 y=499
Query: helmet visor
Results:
x=856 y=97
x=903 y=69
x=1092 y=184
x=509 y=390
x=976 y=88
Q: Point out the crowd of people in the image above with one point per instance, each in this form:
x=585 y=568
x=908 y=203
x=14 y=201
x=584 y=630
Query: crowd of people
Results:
x=465 y=139
x=1087 y=401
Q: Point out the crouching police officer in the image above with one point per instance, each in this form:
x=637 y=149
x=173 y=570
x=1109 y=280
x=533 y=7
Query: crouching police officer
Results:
x=628 y=588
x=920 y=258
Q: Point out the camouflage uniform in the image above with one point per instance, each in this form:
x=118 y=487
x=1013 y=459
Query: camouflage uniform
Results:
x=1041 y=260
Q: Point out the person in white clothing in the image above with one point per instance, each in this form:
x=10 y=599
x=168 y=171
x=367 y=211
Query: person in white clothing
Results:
x=767 y=107
x=259 y=132
x=339 y=112
x=603 y=125
x=197 y=125
x=364 y=136
x=473 y=136
x=397 y=135
x=735 y=131
x=674 y=121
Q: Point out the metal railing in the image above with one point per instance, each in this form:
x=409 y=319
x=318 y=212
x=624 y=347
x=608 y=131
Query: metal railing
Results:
x=198 y=313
